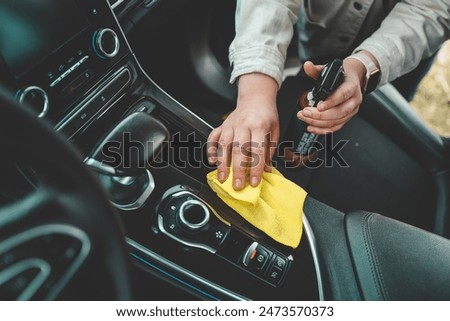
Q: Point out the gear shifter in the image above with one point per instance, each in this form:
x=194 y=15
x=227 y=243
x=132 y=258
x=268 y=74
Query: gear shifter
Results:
x=122 y=158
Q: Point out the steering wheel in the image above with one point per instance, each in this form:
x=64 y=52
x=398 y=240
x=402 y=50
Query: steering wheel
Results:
x=64 y=239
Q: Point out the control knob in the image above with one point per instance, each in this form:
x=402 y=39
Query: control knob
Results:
x=36 y=98
x=106 y=43
x=193 y=215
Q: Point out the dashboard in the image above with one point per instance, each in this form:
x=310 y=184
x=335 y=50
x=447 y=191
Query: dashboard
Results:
x=58 y=54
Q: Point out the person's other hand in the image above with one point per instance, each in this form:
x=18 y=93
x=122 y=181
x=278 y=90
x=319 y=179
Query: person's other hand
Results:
x=333 y=113
x=248 y=136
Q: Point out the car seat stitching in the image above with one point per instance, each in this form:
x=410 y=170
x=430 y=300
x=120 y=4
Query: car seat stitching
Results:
x=377 y=268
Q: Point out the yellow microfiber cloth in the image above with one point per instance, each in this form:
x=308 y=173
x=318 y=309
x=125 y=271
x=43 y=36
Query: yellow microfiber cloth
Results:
x=275 y=206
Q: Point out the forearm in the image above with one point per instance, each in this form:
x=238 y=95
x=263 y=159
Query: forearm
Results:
x=413 y=30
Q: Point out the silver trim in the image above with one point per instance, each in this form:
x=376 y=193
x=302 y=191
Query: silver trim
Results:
x=100 y=167
x=186 y=273
x=151 y=3
x=33 y=233
x=23 y=266
x=99 y=44
x=176 y=102
x=116 y=4
x=313 y=245
x=194 y=226
x=140 y=201
x=45 y=107
x=211 y=209
x=187 y=243
x=125 y=180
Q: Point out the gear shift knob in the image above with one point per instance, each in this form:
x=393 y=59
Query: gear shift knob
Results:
x=121 y=159
x=131 y=146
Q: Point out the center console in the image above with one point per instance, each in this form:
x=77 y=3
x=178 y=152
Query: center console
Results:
x=85 y=80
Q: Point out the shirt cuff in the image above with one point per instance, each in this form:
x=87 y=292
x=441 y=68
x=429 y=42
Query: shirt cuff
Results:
x=261 y=59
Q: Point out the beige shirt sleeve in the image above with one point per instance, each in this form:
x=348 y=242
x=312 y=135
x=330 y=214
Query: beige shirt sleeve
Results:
x=413 y=30
x=264 y=30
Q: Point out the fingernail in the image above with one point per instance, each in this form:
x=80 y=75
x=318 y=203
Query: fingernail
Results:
x=237 y=183
x=307 y=113
x=322 y=106
x=268 y=168
x=255 y=181
x=221 y=176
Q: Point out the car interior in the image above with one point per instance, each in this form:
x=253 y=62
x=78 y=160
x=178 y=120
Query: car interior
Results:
x=105 y=111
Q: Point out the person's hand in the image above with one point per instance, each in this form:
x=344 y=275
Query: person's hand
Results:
x=248 y=136
x=333 y=113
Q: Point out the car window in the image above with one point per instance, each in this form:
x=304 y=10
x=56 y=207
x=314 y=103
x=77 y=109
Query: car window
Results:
x=432 y=100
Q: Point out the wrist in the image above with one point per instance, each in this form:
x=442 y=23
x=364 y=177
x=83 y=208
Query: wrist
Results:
x=356 y=70
x=372 y=69
x=257 y=86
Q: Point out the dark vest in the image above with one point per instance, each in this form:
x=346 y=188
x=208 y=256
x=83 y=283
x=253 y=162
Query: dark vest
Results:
x=334 y=28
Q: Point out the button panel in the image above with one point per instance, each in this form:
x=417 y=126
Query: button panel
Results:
x=68 y=71
x=209 y=234
x=220 y=238
x=265 y=263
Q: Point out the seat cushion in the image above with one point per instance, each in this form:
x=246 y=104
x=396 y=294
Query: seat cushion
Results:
x=396 y=261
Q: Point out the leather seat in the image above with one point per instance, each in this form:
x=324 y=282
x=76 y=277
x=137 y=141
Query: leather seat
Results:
x=396 y=261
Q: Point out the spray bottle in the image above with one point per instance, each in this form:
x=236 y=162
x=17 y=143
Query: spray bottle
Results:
x=303 y=144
